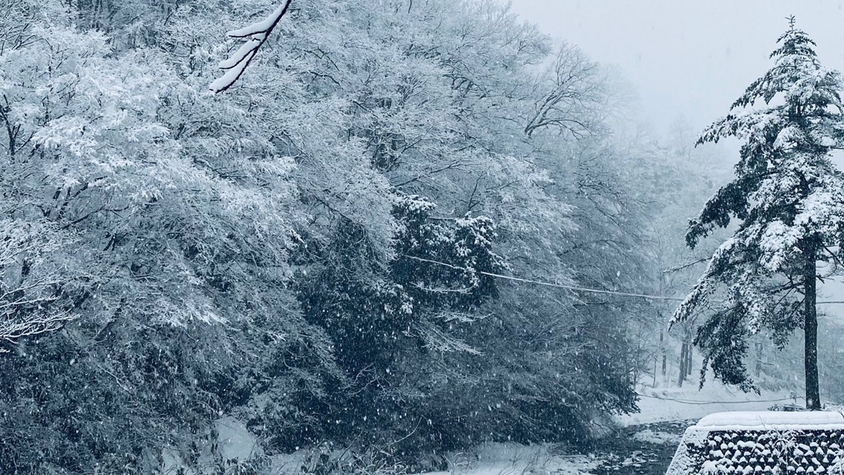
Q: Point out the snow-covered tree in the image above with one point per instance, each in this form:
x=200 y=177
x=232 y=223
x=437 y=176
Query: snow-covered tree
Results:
x=143 y=218
x=315 y=247
x=788 y=199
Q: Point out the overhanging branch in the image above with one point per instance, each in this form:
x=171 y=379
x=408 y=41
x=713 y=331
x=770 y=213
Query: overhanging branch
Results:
x=255 y=35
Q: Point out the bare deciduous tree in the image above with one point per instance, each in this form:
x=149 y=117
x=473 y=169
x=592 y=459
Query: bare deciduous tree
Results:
x=569 y=105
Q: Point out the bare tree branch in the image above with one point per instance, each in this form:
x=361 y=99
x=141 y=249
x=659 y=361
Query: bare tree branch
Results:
x=574 y=93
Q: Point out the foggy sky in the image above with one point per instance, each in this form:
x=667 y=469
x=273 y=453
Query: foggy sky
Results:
x=692 y=58
x=689 y=58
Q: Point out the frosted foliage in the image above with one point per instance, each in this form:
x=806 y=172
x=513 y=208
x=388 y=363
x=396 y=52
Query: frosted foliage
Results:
x=143 y=206
x=311 y=253
x=32 y=268
x=375 y=112
x=787 y=192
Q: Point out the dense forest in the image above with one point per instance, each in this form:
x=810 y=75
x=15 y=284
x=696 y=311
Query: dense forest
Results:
x=377 y=240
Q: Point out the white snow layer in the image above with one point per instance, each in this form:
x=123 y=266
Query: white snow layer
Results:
x=497 y=459
x=774 y=420
x=261 y=26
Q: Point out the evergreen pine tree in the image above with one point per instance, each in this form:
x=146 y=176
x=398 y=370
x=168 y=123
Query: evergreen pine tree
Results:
x=788 y=200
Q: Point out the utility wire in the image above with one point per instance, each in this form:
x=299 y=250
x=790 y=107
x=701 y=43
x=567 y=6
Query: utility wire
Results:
x=548 y=284
x=571 y=287
x=704 y=403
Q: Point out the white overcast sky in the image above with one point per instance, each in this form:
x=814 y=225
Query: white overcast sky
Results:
x=689 y=58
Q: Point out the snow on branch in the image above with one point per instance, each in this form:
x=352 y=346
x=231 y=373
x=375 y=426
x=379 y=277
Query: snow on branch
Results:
x=255 y=35
x=14 y=329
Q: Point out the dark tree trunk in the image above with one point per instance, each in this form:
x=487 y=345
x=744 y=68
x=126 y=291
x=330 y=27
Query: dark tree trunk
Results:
x=654 y=383
x=662 y=350
x=689 y=352
x=813 y=397
x=682 y=367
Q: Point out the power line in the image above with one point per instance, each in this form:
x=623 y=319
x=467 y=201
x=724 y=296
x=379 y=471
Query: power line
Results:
x=573 y=288
x=549 y=284
x=703 y=403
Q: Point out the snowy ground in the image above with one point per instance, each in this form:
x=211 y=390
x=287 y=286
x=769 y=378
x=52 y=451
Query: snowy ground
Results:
x=679 y=404
x=507 y=459
x=644 y=445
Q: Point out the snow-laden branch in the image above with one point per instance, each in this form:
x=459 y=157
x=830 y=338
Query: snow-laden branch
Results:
x=30 y=308
x=14 y=329
x=255 y=35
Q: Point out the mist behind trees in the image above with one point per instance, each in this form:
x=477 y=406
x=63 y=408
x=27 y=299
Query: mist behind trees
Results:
x=315 y=252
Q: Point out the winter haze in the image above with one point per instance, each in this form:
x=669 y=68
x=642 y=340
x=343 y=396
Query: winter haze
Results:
x=687 y=58
x=690 y=60
x=405 y=237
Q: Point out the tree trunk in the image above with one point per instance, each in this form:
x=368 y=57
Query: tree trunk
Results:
x=662 y=350
x=690 y=352
x=654 y=383
x=682 y=366
x=813 y=398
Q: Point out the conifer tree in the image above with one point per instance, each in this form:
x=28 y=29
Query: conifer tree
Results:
x=788 y=200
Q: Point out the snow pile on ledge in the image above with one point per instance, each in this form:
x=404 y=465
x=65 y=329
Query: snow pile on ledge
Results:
x=772 y=420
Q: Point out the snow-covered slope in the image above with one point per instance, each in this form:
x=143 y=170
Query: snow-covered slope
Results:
x=689 y=403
